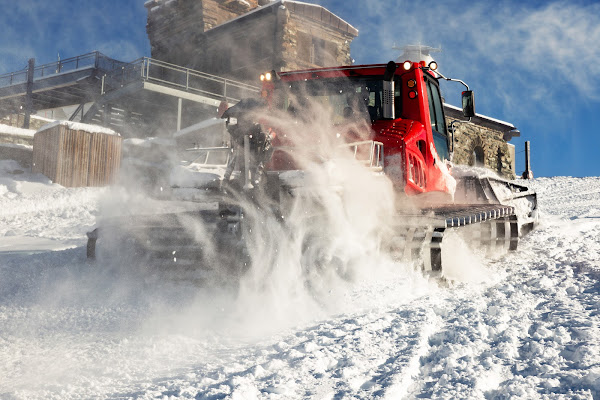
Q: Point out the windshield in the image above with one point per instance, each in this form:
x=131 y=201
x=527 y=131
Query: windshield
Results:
x=344 y=98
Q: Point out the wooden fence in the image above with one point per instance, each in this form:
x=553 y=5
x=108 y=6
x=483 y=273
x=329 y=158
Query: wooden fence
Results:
x=75 y=158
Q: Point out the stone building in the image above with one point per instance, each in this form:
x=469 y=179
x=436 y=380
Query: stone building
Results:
x=240 y=39
x=483 y=141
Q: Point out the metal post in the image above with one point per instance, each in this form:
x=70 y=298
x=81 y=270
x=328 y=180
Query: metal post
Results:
x=28 y=96
x=179 y=108
x=107 y=116
x=247 y=184
x=528 y=174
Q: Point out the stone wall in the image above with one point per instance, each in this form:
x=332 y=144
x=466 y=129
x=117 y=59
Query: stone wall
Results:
x=242 y=50
x=308 y=44
x=176 y=27
x=195 y=34
x=480 y=146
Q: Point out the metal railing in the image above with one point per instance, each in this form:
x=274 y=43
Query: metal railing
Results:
x=172 y=75
x=209 y=156
x=368 y=152
x=94 y=59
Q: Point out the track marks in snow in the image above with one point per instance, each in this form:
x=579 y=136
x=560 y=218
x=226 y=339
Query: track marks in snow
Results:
x=361 y=356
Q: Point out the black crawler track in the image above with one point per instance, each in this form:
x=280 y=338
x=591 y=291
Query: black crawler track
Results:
x=416 y=233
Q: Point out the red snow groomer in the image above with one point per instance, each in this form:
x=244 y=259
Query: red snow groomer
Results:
x=390 y=118
x=406 y=137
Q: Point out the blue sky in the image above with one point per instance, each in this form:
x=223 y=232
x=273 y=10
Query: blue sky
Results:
x=535 y=64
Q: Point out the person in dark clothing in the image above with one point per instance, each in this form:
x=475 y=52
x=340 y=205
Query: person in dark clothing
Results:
x=260 y=149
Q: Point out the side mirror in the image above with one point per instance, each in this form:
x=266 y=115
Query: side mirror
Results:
x=468 y=103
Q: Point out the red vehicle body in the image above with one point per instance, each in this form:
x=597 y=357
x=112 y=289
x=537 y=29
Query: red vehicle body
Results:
x=412 y=131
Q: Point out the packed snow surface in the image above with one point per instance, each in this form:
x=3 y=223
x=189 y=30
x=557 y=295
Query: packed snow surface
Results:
x=524 y=325
x=11 y=130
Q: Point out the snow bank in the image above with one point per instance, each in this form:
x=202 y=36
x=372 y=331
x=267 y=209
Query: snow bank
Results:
x=11 y=130
x=16 y=146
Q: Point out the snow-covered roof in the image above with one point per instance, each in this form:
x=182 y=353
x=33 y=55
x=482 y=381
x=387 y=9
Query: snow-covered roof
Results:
x=11 y=130
x=482 y=117
x=79 y=126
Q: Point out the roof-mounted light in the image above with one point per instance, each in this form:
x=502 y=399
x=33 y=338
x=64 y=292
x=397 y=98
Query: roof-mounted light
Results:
x=433 y=66
x=267 y=76
x=407 y=65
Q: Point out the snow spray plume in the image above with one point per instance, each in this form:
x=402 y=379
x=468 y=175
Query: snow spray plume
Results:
x=307 y=261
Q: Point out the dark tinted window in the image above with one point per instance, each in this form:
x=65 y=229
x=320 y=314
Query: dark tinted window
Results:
x=438 y=123
x=343 y=97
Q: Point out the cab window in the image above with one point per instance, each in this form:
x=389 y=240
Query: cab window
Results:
x=438 y=123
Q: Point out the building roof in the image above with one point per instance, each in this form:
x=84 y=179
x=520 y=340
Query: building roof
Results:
x=479 y=119
x=311 y=11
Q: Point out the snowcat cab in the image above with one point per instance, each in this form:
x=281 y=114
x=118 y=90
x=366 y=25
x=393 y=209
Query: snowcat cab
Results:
x=402 y=108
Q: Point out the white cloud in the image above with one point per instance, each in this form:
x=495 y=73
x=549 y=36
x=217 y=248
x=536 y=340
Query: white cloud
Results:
x=122 y=50
x=513 y=53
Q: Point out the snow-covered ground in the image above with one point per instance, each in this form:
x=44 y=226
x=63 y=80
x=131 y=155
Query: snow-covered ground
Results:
x=525 y=325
